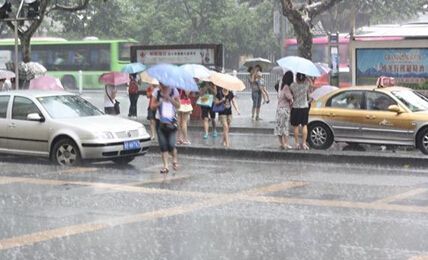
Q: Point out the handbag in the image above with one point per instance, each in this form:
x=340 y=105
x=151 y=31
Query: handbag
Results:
x=117 y=107
x=217 y=108
x=205 y=100
x=185 y=106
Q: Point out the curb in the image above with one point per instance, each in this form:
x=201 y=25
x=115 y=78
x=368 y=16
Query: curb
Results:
x=337 y=157
x=235 y=129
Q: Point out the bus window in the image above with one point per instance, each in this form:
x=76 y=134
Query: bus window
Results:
x=125 y=51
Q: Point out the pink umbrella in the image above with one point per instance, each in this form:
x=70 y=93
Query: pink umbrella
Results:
x=46 y=83
x=322 y=91
x=114 y=78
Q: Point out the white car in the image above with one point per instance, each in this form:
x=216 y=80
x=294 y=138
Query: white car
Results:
x=66 y=128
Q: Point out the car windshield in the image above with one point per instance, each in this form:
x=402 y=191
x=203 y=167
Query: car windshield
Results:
x=413 y=100
x=68 y=106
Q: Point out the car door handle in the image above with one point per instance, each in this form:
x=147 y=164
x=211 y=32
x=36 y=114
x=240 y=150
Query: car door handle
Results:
x=370 y=117
x=332 y=114
x=12 y=125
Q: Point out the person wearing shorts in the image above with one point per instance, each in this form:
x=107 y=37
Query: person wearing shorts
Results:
x=206 y=112
x=300 y=109
x=227 y=98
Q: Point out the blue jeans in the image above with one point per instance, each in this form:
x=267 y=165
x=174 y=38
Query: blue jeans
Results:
x=166 y=139
x=257 y=99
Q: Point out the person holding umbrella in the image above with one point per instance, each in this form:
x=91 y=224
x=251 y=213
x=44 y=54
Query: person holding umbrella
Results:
x=133 y=95
x=285 y=100
x=300 y=109
x=166 y=101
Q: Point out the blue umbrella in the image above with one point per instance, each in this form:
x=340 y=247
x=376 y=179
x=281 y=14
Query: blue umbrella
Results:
x=133 y=68
x=173 y=76
x=299 y=64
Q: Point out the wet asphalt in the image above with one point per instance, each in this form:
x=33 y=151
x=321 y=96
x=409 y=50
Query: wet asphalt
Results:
x=212 y=209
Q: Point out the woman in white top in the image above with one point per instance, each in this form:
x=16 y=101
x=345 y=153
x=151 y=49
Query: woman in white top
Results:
x=166 y=101
x=110 y=99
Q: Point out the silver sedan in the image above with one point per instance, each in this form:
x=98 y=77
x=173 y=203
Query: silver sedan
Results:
x=66 y=128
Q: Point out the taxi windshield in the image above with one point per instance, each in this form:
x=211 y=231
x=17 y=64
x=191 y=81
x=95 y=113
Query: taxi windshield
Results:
x=413 y=100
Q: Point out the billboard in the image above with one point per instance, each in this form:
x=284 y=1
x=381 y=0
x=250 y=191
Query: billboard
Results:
x=409 y=66
x=209 y=55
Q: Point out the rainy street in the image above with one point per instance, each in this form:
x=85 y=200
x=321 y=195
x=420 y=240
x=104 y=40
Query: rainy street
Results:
x=212 y=209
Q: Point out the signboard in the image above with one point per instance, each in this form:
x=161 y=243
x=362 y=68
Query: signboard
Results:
x=177 y=56
x=5 y=56
x=209 y=55
x=409 y=66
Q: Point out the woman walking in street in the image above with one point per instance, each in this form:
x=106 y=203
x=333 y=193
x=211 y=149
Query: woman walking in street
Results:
x=166 y=101
x=285 y=100
x=207 y=114
x=183 y=117
x=256 y=94
x=226 y=99
x=300 y=109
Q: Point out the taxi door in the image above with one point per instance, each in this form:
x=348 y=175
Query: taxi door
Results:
x=345 y=115
x=382 y=124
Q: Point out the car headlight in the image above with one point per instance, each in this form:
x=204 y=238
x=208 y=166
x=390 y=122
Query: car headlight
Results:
x=104 y=135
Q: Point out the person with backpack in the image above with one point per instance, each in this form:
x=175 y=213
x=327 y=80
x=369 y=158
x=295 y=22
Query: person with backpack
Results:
x=166 y=101
x=133 y=95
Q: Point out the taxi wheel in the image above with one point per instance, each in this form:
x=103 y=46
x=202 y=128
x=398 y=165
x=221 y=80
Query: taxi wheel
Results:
x=66 y=153
x=320 y=136
x=123 y=160
x=422 y=141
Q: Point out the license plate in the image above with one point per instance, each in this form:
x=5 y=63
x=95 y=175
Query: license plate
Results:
x=131 y=145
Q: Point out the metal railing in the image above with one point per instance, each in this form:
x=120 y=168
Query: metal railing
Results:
x=270 y=79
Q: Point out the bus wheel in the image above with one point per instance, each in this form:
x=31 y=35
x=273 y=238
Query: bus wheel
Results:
x=69 y=82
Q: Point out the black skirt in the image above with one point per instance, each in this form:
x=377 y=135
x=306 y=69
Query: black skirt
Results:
x=299 y=116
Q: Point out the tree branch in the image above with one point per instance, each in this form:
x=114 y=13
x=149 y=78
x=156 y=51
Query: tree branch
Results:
x=317 y=8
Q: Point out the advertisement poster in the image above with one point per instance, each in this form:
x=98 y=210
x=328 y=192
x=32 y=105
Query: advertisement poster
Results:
x=5 y=56
x=177 y=56
x=409 y=66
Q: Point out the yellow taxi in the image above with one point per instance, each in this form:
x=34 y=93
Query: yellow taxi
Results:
x=370 y=115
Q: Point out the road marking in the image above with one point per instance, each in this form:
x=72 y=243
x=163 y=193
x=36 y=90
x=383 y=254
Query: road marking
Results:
x=159 y=180
x=338 y=204
x=7 y=180
x=79 y=170
x=401 y=196
x=37 y=237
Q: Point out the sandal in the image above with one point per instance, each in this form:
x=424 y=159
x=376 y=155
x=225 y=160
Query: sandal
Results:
x=175 y=166
x=305 y=147
x=164 y=171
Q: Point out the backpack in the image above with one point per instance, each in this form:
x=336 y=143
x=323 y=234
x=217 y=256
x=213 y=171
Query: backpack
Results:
x=133 y=87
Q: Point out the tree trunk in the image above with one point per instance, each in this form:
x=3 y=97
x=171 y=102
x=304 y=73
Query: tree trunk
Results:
x=304 y=40
x=25 y=47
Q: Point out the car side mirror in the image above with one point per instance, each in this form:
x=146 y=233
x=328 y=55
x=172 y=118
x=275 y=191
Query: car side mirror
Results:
x=35 y=117
x=395 y=109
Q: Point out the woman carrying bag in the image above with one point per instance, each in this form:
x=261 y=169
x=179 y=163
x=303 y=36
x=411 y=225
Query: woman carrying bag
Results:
x=166 y=101
x=183 y=117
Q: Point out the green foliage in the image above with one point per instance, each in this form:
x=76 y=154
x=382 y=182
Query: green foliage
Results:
x=242 y=30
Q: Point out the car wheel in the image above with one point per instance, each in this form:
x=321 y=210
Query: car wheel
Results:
x=66 y=153
x=320 y=136
x=422 y=141
x=123 y=160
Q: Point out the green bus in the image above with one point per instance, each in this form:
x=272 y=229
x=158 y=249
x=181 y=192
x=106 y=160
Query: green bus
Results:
x=64 y=59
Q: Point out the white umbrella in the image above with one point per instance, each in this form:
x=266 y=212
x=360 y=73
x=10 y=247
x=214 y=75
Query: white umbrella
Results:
x=300 y=65
x=146 y=78
x=6 y=74
x=322 y=67
x=265 y=64
x=197 y=71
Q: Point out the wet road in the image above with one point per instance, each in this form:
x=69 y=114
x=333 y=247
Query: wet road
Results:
x=211 y=209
